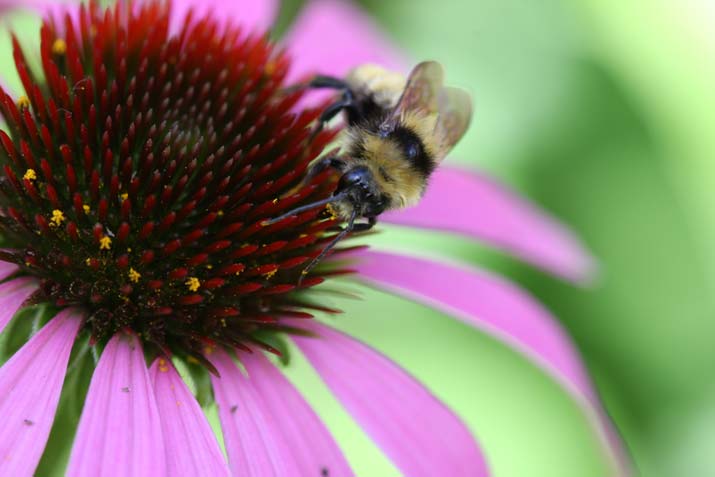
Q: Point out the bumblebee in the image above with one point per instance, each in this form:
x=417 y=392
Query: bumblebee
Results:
x=398 y=131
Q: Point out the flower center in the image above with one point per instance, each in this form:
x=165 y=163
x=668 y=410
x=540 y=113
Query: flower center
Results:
x=139 y=167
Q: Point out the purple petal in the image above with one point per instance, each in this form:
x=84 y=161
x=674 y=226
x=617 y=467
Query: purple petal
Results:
x=7 y=269
x=253 y=439
x=499 y=217
x=333 y=36
x=12 y=295
x=30 y=386
x=119 y=432
x=295 y=419
x=191 y=446
x=421 y=436
x=254 y=15
x=497 y=307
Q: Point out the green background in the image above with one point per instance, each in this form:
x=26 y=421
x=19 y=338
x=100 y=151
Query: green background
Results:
x=603 y=112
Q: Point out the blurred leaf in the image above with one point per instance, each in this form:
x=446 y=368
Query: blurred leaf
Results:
x=74 y=390
x=647 y=330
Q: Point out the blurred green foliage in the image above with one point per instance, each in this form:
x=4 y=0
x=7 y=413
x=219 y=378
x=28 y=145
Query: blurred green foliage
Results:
x=603 y=112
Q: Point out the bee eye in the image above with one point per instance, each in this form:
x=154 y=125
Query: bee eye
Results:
x=412 y=150
x=409 y=142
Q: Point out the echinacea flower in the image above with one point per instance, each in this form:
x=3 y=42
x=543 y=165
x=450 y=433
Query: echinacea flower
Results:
x=138 y=169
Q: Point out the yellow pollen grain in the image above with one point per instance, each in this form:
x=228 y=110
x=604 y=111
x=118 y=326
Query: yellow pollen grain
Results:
x=86 y=208
x=59 y=47
x=88 y=262
x=134 y=276
x=193 y=284
x=163 y=366
x=208 y=350
x=209 y=266
x=23 y=102
x=219 y=213
x=105 y=243
x=30 y=175
x=57 y=218
x=331 y=210
x=275 y=201
x=124 y=196
x=270 y=274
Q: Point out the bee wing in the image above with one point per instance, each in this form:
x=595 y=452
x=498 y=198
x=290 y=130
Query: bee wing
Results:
x=454 y=115
x=422 y=89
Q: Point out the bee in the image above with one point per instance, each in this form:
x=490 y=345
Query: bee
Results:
x=398 y=131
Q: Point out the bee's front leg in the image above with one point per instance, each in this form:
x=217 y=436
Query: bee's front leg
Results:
x=328 y=162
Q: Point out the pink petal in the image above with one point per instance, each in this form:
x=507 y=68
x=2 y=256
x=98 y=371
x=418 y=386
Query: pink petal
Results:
x=478 y=207
x=6 y=5
x=119 y=432
x=255 y=15
x=484 y=301
x=12 y=295
x=497 y=307
x=30 y=385
x=50 y=8
x=7 y=269
x=333 y=36
x=295 y=419
x=253 y=439
x=421 y=436
x=191 y=446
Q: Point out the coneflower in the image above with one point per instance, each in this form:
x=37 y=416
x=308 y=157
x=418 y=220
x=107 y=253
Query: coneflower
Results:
x=138 y=170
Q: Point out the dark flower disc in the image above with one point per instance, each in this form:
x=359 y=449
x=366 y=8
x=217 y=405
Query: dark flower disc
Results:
x=139 y=168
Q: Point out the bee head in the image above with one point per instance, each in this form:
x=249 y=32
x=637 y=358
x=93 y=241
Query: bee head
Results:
x=358 y=187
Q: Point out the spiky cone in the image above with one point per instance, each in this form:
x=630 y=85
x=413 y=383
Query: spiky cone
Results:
x=138 y=173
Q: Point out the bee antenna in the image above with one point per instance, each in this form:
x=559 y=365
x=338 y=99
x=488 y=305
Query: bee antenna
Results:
x=330 y=246
x=303 y=208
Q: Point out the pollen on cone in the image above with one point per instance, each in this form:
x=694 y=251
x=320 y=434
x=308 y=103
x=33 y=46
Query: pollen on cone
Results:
x=135 y=181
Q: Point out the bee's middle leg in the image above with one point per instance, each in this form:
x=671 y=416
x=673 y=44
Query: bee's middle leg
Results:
x=345 y=103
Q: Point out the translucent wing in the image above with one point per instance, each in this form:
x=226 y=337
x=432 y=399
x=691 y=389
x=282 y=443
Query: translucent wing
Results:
x=422 y=89
x=454 y=114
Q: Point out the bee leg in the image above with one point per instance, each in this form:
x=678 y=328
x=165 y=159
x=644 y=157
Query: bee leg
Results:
x=335 y=109
x=332 y=111
x=332 y=162
x=371 y=221
x=346 y=103
x=325 y=163
x=321 y=81
x=349 y=228
x=318 y=82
